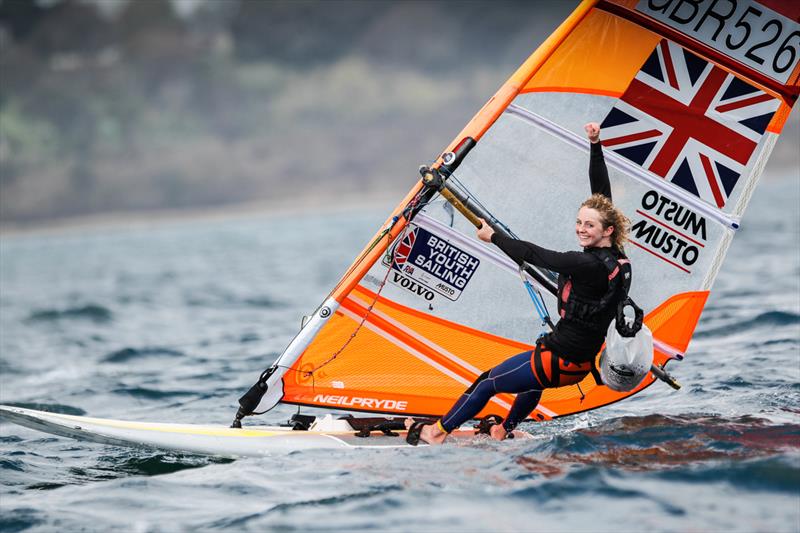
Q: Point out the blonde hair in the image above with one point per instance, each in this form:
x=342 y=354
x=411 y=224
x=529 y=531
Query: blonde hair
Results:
x=610 y=216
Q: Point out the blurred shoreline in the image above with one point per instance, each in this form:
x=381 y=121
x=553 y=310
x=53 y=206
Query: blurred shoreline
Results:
x=280 y=207
x=149 y=107
x=153 y=113
x=145 y=219
x=150 y=112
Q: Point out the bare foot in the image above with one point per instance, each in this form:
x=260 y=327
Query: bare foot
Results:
x=519 y=434
x=498 y=432
x=430 y=433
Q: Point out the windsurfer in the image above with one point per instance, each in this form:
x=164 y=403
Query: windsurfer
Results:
x=587 y=302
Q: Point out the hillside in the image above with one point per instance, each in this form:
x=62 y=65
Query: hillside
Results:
x=141 y=108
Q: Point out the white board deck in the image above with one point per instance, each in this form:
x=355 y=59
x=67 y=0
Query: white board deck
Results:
x=202 y=439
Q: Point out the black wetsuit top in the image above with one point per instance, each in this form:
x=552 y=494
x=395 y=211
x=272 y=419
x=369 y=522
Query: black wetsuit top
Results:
x=570 y=340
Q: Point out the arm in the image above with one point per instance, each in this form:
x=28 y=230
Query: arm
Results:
x=598 y=173
x=561 y=262
x=519 y=251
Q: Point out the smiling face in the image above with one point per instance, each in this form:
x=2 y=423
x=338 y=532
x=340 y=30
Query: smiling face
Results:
x=590 y=231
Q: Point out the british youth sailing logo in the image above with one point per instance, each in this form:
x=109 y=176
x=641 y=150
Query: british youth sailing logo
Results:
x=426 y=264
x=690 y=122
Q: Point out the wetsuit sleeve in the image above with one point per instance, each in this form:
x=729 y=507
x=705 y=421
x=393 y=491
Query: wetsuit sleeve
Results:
x=562 y=262
x=598 y=173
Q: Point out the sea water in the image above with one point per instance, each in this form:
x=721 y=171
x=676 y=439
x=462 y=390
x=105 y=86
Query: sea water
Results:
x=173 y=321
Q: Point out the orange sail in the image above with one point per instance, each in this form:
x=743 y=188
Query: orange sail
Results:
x=691 y=106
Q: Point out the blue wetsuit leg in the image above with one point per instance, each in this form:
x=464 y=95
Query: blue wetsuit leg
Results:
x=514 y=375
x=523 y=406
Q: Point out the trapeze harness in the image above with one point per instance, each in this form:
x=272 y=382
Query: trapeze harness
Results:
x=596 y=315
x=593 y=315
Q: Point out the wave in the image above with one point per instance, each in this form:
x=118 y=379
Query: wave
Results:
x=659 y=442
x=92 y=312
x=249 y=337
x=12 y=464
x=264 y=302
x=318 y=504
x=7 y=368
x=20 y=519
x=758 y=344
x=217 y=299
x=780 y=474
x=586 y=481
x=151 y=394
x=129 y=354
x=770 y=318
x=158 y=464
x=123 y=464
x=50 y=408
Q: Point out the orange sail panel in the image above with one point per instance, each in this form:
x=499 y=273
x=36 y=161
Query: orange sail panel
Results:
x=426 y=363
x=401 y=360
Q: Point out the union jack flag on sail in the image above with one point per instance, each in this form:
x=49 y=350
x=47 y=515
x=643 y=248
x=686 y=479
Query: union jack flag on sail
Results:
x=404 y=247
x=690 y=122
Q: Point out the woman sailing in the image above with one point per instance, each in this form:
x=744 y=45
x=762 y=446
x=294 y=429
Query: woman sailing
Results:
x=588 y=299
